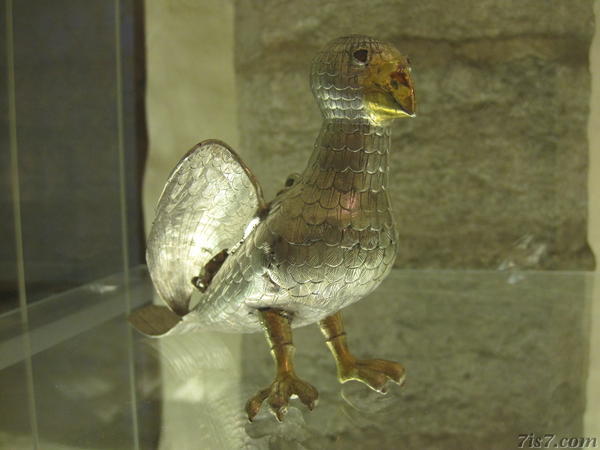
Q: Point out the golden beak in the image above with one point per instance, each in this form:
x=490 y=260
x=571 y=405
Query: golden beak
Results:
x=389 y=89
x=403 y=90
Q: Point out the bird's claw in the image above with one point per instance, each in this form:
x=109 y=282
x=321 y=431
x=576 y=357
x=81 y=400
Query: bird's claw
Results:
x=375 y=373
x=278 y=394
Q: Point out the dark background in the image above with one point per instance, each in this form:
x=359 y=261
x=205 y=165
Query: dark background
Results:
x=67 y=140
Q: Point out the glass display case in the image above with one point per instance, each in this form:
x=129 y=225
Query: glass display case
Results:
x=493 y=306
x=72 y=146
x=479 y=376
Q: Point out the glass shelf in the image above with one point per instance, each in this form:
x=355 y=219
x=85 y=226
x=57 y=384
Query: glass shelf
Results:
x=489 y=355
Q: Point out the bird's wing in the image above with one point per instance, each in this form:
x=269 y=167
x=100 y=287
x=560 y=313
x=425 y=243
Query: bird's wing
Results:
x=208 y=201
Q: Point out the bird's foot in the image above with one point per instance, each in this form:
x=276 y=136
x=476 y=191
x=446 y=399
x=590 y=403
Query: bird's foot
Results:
x=375 y=373
x=285 y=386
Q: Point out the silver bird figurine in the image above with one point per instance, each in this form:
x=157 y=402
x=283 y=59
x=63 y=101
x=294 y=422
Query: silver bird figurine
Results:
x=223 y=259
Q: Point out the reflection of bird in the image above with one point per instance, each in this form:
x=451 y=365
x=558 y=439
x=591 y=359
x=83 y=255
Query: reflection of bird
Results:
x=324 y=242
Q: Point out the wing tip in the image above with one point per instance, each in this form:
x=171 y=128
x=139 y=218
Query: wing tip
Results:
x=154 y=320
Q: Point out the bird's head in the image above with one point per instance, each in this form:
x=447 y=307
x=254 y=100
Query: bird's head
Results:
x=359 y=77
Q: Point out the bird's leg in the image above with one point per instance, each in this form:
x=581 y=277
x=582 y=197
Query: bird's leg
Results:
x=279 y=336
x=375 y=373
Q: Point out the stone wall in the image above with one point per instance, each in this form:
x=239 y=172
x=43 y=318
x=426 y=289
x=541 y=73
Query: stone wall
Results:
x=492 y=172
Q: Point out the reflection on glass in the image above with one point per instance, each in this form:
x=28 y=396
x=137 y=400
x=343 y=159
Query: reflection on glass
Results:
x=8 y=258
x=67 y=140
x=488 y=355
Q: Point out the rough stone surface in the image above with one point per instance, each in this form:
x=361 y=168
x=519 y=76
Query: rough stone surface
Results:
x=489 y=356
x=492 y=172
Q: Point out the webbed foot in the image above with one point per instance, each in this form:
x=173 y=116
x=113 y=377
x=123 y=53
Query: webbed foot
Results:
x=285 y=386
x=375 y=373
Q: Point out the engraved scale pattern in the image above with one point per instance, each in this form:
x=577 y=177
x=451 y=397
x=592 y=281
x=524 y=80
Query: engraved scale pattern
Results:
x=209 y=186
x=326 y=241
x=335 y=79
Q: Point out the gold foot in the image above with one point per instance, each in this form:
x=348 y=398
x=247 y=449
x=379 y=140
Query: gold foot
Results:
x=375 y=373
x=286 y=384
x=279 y=393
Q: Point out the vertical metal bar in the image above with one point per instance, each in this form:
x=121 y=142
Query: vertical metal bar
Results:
x=16 y=199
x=124 y=227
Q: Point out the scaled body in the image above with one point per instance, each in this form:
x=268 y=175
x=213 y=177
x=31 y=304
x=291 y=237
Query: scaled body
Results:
x=222 y=258
x=326 y=242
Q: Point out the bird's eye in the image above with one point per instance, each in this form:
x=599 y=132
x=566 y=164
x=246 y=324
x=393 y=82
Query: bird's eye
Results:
x=408 y=60
x=361 y=56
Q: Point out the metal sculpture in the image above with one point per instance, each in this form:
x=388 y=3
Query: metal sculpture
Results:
x=224 y=259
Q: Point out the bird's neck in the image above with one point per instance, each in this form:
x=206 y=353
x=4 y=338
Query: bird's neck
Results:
x=354 y=153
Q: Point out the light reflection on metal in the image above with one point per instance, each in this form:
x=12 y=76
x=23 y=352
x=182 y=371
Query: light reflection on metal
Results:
x=325 y=241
